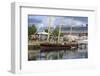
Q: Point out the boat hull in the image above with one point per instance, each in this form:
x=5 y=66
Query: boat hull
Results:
x=57 y=47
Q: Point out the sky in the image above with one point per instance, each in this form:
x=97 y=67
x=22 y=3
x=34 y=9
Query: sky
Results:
x=42 y=21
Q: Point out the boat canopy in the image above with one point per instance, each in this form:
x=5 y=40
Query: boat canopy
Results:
x=43 y=33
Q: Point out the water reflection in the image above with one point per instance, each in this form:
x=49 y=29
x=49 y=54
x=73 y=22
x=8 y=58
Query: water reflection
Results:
x=60 y=54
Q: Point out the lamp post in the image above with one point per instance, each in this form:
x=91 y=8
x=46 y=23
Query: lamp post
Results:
x=71 y=28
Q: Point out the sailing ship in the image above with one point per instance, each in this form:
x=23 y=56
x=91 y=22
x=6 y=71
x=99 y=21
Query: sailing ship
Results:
x=57 y=46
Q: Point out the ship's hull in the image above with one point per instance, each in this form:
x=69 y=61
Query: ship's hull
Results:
x=57 y=47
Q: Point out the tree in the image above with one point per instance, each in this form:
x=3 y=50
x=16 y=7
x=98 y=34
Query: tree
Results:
x=56 y=31
x=32 y=29
x=46 y=30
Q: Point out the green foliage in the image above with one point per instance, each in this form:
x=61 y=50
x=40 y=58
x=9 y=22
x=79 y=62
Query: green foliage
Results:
x=56 y=31
x=32 y=29
x=46 y=30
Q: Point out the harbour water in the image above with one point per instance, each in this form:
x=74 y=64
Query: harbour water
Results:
x=58 y=54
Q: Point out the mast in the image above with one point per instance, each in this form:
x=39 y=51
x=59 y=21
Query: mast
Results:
x=60 y=29
x=59 y=33
x=49 y=25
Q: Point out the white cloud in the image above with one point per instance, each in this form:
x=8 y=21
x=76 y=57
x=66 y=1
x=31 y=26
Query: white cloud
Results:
x=73 y=22
x=45 y=21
